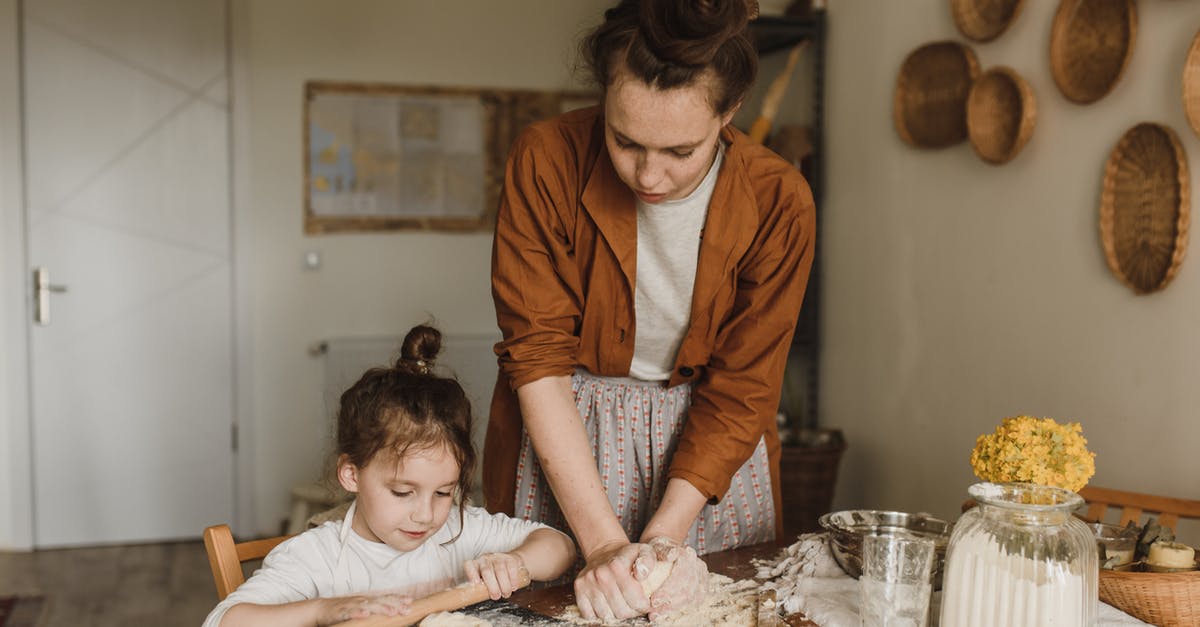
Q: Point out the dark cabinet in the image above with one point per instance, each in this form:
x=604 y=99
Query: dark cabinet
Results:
x=811 y=456
x=777 y=35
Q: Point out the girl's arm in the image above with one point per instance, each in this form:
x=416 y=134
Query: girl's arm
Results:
x=317 y=612
x=606 y=587
x=545 y=554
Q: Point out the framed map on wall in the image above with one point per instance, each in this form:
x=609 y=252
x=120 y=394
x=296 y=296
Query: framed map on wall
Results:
x=392 y=157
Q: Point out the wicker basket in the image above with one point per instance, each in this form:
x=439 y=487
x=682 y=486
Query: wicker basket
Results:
x=1145 y=207
x=1191 y=85
x=929 y=107
x=984 y=20
x=1001 y=112
x=808 y=475
x=1165 y=599
x=1090 y=45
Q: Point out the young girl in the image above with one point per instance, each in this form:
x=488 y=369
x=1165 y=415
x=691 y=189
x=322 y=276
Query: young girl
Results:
x=404 y=450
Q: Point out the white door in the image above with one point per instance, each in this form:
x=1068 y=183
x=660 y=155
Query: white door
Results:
x=128 y=206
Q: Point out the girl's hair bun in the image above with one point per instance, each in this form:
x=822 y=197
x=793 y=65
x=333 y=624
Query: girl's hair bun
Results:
x=690 y=32
x=421 y=346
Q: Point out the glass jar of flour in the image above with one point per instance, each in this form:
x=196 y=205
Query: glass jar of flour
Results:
x=1020 y=559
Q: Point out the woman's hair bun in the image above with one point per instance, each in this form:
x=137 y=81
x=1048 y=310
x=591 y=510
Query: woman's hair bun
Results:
x=421 y=346
x=689 y=32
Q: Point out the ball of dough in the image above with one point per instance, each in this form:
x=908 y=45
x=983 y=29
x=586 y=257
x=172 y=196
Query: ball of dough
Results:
x=657 y=576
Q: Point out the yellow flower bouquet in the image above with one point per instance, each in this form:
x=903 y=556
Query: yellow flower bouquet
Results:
x=1034 y=450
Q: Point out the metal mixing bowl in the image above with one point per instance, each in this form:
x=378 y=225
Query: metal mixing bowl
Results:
x=847 y=529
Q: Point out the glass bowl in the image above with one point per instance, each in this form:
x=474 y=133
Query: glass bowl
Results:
x=1116 y=541
x=848 y=528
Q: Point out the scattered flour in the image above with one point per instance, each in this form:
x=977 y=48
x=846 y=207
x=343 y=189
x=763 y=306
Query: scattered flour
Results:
x=453 y=619
x=806 y=579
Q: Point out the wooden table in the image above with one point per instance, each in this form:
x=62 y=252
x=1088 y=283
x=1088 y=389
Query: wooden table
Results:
x=735 y=563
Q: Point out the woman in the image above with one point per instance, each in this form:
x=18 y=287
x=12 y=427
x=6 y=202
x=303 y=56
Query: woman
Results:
x=648 y=268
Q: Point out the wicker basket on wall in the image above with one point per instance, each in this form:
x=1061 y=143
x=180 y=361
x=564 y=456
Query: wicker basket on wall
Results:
x=1145 y=207
x=1090 y=45
x=929 y=107
x=1191 y=85
x=984 y=20
x=1001 y=113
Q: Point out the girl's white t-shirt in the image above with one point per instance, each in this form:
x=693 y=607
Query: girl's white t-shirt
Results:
x=332 y=560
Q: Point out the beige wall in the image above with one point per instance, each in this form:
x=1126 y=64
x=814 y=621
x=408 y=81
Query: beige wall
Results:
x=370 y=284
x=958 y=293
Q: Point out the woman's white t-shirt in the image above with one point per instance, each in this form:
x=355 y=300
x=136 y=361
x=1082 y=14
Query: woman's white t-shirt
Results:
x=332 y=560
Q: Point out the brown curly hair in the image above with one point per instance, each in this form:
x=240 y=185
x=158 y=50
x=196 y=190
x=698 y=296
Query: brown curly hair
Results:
x=407 y=407
x=675 y=43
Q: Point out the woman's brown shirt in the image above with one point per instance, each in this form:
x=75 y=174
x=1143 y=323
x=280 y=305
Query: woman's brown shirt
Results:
x=563 y=268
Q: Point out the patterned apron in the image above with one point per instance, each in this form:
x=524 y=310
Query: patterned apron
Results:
x=634 y=427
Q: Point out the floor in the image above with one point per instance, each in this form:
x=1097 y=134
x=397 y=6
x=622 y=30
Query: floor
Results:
x=148 y=584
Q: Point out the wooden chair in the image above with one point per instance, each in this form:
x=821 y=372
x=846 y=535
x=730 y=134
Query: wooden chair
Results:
x=1133 y=505
x=225 y=556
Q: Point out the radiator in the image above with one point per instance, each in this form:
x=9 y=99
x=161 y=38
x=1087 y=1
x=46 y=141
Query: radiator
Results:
x=468 y=357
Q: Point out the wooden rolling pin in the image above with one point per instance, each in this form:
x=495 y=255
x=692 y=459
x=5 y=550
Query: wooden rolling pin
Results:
x=449 y=600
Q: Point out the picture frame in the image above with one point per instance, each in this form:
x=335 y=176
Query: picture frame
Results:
x=383 y=157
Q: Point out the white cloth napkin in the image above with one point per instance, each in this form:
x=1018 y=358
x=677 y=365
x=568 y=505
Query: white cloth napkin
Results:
x=807 y=579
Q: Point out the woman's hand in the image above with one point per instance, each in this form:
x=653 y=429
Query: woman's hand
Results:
x=687 y=583
x=500 y=572
x=341 y=609
x=606 y=589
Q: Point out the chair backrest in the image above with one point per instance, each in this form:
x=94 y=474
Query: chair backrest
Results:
x=1133 y=505
x=225 y=556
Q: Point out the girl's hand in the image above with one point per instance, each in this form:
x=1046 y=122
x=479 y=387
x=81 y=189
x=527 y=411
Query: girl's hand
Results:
x=500 y=572
x=606 y=589
x=341 y=609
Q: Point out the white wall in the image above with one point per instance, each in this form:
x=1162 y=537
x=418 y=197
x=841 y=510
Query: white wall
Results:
x=957 y=293
x=16 y=520
x=374 y=284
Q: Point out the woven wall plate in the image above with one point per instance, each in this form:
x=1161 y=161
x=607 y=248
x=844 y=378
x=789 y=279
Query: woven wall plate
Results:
x=1090 y=45
x=929 y=107
x=984 y=20
x=1145 y=207
x=1191 y=85
x=1001 y=112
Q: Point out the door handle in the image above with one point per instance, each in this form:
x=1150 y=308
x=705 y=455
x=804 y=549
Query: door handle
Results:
x=42 y=288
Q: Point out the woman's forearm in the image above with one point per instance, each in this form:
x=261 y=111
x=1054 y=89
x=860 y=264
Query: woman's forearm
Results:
x=560 y=440
x=680 y=506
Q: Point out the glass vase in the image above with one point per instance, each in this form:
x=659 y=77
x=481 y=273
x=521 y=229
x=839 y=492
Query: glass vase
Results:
x=1020 y=559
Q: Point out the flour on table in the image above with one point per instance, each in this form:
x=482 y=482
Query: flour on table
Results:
x=806 y=579
x=729 y=603
x=453 y=619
